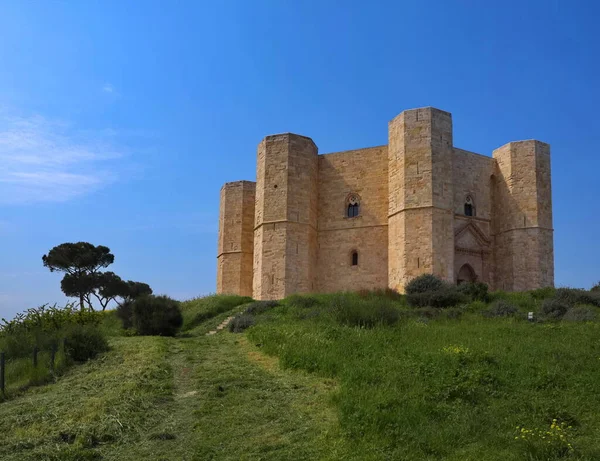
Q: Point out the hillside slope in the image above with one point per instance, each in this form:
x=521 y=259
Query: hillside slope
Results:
x=196 y=397
x=303 y=383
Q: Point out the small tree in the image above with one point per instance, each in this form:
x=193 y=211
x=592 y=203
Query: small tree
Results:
x=78 y=286
x=110 y=287
x=136 y=290
x=81 y=263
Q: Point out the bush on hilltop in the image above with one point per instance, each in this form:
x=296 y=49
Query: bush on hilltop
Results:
x=156 y=316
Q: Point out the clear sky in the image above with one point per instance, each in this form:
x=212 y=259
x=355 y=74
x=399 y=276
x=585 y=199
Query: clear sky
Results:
x=120 y=121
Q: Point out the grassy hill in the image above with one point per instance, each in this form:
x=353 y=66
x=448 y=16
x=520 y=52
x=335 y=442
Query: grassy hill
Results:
x=346 y=376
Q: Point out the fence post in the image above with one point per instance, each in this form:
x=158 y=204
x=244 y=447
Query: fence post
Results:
x=35 y=353
x=52 y=358
x=2 y=364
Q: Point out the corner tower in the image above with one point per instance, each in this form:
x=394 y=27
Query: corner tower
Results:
x=285 y=232
x=236 y=238
x=420 y=213
x=522 y=216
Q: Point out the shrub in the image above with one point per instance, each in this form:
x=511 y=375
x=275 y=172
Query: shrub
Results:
x=454 y=314
x=476 y=306
x=354 y=311
x=84 y=342
x=423 y=284
x=543 y=293
x=308 y=314
x=427 y=312
x=446 y=297
x=156 y=315
x=501 y=308
x=42 y=327
x=125 y=314
x=301 y=301
x=554 y=309
x=19 y=344
x=574 y=296
x=476 y=291
x=241 y=323
x=258 y=307
x=390 y=293
x=580 y=314
x=596 y=288
x=387 y=292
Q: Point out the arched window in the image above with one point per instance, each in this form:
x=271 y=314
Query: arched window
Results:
x=469 y=206
x=352 y=206
x=355 y=258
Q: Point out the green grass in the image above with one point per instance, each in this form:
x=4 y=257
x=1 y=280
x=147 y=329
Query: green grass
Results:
x=20 y=374
x=198 y=310
x=111 y=324
x=113 y=399
x=402 y=396
x=196 y=397
x=304 y=384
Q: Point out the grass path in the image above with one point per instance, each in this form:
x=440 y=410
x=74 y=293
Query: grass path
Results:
x=232 y=403
x=192 y=398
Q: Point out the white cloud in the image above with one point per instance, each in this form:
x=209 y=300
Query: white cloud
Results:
x=108 y=88
x=42 y=160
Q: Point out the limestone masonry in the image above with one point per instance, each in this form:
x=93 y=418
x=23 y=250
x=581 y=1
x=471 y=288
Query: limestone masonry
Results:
x=379 y=216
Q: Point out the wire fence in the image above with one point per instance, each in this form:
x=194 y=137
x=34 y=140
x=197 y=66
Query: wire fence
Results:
x=38 y=366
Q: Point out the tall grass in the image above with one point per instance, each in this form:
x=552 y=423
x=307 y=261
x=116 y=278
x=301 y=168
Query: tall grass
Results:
x=20 y=373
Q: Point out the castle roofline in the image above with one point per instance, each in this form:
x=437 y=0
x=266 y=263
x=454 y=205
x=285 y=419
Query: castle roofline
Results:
x=524 y=141
x=431 y=108
x=353 y=150
x=287 y=134
x=238 y=183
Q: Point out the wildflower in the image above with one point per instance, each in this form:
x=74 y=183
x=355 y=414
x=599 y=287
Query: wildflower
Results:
x=455 y=350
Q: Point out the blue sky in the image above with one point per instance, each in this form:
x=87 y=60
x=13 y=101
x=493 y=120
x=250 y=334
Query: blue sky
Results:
x=119 y=121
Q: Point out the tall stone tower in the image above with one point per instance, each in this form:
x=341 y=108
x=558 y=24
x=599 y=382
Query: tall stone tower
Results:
x=522 y=216
x=236 y=238
x=420 y=217
x=285 y=235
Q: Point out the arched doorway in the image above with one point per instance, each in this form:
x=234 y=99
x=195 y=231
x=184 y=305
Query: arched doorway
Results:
x=466 y=274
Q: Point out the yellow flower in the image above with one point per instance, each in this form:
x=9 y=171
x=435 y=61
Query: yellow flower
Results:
x=455 y=349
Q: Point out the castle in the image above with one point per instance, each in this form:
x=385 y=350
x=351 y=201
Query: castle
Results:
x=379 y=216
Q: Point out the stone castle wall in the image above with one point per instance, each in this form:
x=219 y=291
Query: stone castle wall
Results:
x=421 y=233
x=290 y=231
x=236 y=238
x=522 y=218
x=472 y=178
x=362 y=172
x=285 y=236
